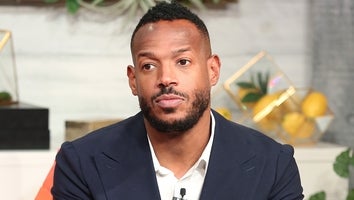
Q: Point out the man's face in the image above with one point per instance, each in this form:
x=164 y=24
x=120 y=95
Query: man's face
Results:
x=173 y=74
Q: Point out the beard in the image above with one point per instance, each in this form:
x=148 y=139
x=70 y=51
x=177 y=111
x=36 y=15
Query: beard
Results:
x=178 y=126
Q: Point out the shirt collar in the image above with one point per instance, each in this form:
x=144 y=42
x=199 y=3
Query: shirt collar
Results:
x=202 y=162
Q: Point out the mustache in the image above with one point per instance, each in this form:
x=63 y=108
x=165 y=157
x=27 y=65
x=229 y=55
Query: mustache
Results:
x=168 y=90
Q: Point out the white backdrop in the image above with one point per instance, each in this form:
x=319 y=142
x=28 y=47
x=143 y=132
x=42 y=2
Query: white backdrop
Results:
x=76 y=65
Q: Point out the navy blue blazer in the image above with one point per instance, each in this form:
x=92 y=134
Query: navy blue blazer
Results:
x=115 y=163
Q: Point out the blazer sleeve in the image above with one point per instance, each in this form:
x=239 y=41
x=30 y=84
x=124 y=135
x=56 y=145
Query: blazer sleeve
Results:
x=287 y=181
x=69 y=182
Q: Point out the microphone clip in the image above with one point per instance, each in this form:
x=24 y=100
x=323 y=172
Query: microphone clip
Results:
x=182 y=192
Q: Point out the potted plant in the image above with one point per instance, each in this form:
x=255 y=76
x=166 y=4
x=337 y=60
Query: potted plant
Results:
x=343 y=167
x=130 y=6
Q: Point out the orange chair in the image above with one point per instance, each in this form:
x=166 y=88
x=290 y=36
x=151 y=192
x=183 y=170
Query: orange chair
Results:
x=44 y=192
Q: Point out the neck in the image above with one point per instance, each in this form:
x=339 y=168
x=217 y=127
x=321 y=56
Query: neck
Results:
x=180 y=152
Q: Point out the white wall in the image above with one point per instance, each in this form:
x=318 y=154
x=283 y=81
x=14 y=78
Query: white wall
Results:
x=75 y=65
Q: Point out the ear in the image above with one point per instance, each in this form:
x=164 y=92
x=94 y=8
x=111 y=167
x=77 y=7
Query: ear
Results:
x=132 y=79
x=214 y=69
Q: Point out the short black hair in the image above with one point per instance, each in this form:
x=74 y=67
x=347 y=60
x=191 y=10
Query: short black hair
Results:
x=169 y=12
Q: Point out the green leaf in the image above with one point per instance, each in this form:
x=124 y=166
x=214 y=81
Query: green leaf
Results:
x=341 y=169
x=97 y=2
x=198 y=3
x=350 y=195
x=252 y=79
x=251 y=97
x=263 y=83
x=318 y=196
x=246 y=85
x=266 y=81
x=72 y=6
x=50 y=1
x=259 y=78
x=5 y=96
x=341 y=164
x=351 y=160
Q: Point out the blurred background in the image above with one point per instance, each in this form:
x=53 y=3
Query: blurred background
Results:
x=75 y=64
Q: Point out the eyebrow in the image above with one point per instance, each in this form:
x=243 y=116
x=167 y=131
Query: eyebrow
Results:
x=153 y=55
x=182 y=50
x=146 y=54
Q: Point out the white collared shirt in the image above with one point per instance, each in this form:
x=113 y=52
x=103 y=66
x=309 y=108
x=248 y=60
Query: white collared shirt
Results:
x=192 y=181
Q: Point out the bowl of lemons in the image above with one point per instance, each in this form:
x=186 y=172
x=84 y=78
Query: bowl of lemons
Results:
x=308 y=119
x=297 y=116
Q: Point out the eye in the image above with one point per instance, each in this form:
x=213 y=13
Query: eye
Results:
x=184 y=62
x=148 y=67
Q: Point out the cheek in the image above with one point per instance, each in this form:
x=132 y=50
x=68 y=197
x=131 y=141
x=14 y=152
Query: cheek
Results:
x=202 y=79
x=144 y=88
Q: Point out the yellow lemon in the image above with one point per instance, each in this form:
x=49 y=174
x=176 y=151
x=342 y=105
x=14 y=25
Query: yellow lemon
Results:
x=297 y=125
x=225 y=112
x=314 y=104
x=267 y=125
x=307 y=129
x=264 y=102
x=270 y=121
x=292 y=122
x=290 y=105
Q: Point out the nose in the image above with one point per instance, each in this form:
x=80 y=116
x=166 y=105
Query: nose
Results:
x=167 y=76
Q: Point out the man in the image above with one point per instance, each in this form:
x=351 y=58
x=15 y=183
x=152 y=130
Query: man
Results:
x=176 y=147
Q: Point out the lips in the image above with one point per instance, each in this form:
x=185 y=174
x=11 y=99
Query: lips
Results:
x=168 y=100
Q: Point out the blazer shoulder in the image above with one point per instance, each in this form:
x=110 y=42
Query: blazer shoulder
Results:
x=120 y=132
x=247 y=137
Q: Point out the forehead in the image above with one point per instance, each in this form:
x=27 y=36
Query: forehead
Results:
x=163 y=30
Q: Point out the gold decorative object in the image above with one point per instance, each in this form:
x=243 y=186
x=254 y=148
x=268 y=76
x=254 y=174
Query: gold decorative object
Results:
x=8 y=75
x=258 y=89
x=223 y=104
x=260 y=95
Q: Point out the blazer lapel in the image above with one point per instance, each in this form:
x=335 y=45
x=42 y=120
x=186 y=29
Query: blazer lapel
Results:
x=232 y=164
x=126 y=167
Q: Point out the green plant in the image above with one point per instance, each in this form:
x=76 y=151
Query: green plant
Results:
x=5 y=97
x=318 y=196
x=341 y=166
x=256 y=89
x=129 y=7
